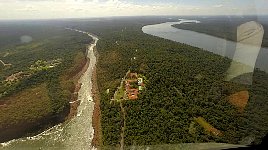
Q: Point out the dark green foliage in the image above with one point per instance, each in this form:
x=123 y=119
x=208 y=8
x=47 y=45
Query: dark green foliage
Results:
x=58 y=96
x=49 y=43
x=61 y=43
x=183 y=82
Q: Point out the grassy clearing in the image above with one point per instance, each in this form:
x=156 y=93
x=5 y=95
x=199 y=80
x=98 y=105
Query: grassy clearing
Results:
x=119 y=94
x=208 y=127
x=239 y=99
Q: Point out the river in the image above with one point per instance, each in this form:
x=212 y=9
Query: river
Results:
x=74 y=134
x=78 y=132
x=210 y=43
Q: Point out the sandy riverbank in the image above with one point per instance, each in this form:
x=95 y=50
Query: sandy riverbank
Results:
x=96 y=118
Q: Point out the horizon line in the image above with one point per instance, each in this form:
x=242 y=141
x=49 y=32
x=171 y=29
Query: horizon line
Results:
x=102 y=17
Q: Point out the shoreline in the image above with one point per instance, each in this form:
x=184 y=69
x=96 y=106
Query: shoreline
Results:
x=96 y=117
x=68 y=114
x=74 y=102
x=214 y=35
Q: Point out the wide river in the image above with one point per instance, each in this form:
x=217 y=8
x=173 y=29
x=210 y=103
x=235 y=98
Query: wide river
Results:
x=210 y=43
x=75 y=134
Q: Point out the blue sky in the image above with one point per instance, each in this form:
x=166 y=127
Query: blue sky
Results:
x=43 y=9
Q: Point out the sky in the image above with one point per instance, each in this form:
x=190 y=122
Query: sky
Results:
x=50 y=9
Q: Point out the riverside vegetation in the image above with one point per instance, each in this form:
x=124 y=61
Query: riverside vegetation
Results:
x=184 y=83
x=184 y=86
x=36 y=88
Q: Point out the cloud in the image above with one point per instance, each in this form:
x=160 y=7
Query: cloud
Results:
x=21 y=9
x=28 y=8
x=218 y=6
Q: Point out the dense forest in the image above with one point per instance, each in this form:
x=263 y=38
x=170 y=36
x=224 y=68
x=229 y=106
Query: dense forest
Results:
x=37 y=84
x=184 y=83
x=224 y=27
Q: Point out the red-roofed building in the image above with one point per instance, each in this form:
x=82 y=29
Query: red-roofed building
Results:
x=133 y=94
x=133 y=85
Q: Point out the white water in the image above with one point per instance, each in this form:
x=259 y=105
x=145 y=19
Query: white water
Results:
x=77 y=133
